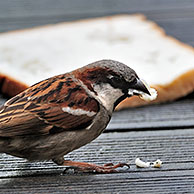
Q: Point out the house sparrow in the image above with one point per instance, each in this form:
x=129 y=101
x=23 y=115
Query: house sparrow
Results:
x=63 y=113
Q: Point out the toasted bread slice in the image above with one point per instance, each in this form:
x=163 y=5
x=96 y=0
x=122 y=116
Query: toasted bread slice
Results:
x=28 y=56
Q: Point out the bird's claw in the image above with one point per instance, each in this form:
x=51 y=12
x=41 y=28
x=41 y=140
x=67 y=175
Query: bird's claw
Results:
x=107 y=168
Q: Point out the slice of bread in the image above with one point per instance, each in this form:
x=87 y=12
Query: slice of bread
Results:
x=28 y=56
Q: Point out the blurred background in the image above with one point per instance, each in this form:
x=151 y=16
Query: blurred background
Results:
x=161 y=131
x=175 y=16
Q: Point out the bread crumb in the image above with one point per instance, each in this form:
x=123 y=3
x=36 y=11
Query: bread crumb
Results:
x=152 y=91
x=147 y=97
x=141 y=164
x=156 y=164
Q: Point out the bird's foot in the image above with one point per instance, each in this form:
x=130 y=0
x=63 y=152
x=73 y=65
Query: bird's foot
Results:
x=88 y=167
x=107 y=168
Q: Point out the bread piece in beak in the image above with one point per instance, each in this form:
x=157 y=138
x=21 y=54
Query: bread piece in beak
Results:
x=143 y=90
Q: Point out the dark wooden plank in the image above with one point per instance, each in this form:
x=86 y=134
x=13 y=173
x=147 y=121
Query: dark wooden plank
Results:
x=132 y=183
x=179 y=114
x=178 y=28
x=22 y=8
x=173 y=147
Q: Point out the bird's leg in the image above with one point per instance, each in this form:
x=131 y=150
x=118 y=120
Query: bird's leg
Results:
x=89 y=167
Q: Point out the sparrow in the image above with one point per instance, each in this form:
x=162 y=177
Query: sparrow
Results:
x=64 y=112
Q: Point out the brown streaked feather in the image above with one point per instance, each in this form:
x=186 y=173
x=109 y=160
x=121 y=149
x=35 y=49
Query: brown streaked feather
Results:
x=38 y=109
x=54 y=115
x=23 y=124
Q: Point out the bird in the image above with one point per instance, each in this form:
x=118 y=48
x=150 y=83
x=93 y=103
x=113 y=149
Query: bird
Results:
x=60 y=114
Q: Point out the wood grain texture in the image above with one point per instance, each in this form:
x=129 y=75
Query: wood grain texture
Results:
x=173 y=147
x=178 y=114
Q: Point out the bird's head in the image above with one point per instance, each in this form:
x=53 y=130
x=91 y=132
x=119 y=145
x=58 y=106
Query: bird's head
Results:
x=111 y=82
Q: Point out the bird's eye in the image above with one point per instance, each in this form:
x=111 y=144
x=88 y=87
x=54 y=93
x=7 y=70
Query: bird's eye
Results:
x=115 y=81
x=133 y=81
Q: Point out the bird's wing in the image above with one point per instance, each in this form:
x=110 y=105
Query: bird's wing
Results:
x=51 y=106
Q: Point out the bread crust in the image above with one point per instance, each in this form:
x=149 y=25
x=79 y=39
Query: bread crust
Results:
x=11 y=87
x=181 y=86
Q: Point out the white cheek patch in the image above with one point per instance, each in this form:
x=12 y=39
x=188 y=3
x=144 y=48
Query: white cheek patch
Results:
x=107 y=95
x=78 y=111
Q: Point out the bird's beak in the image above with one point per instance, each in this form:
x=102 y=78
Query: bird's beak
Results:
x=139 y=88
x=142 y=90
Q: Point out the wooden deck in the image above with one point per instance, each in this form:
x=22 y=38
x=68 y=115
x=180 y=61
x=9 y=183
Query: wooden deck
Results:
x=160 y=131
